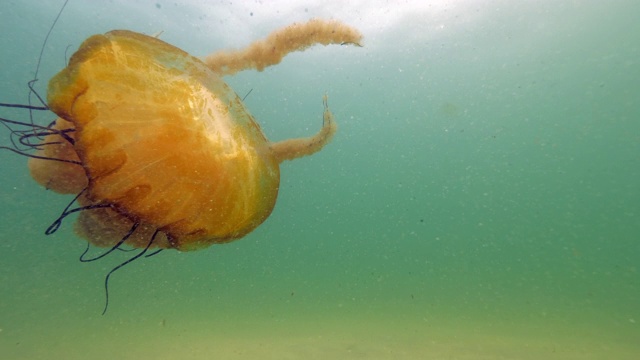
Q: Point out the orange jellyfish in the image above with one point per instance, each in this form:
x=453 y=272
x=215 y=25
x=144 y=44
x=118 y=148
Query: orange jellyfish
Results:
x=159 y=150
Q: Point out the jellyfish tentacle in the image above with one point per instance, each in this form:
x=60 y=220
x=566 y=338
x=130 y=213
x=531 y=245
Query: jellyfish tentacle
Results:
x=39 y=157
x=65 y=175
x=113 y=248
x=154 y=253
x=295 y=148
x=33 y=91
x=244 y=97
x=106 y=278
x=21 y=106
x=24 y=137
x=67 y=211
x=30 y=84
x=272 y=49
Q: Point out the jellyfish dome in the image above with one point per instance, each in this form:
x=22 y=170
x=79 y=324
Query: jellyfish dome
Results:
x=154 y=141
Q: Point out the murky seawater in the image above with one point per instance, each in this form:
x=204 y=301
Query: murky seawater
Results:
x=481 y=199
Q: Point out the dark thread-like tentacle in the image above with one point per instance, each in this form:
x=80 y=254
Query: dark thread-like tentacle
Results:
x=39 y=157
x=44 y=46
x=106 y=279
x=20 y=106
x=153 y=253
x=22 y=140
x=113 y=248
x=66 y=212
x=247 y=94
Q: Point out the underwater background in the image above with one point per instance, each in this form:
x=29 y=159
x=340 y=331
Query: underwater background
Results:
x=481 y=199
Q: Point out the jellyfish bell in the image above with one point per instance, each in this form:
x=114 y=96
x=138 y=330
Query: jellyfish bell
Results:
x=164 y=141
x=160 y=150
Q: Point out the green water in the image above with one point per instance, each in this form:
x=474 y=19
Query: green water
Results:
x=481 y=199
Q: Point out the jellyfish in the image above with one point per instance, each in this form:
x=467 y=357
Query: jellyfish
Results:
x=159 y=151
